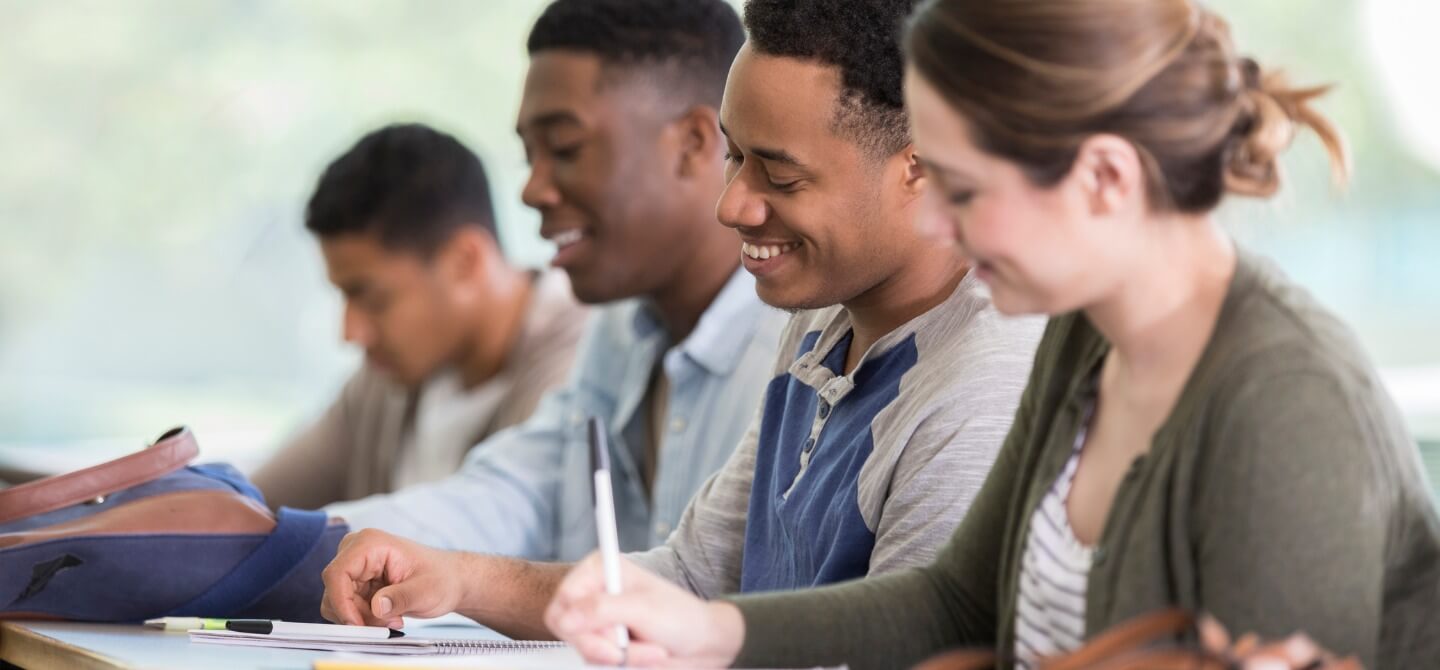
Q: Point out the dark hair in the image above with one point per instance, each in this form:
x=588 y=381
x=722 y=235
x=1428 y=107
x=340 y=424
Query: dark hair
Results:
x=862 y=39
x=412 y=185
x=691 y=43
x=1035 y=79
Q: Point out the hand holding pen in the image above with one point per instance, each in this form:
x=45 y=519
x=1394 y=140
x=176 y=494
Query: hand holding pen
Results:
x=605 y=599
x=666 y=624
x=605 y=525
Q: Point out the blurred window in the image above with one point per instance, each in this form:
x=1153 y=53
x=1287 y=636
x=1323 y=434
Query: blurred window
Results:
x=154 y=269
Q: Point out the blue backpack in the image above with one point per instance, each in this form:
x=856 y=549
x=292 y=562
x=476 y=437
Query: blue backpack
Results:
x=148 y=535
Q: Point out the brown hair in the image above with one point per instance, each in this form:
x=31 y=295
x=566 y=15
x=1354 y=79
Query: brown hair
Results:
x=1036 y=78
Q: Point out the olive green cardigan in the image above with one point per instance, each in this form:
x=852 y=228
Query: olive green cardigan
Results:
x=1283 y=493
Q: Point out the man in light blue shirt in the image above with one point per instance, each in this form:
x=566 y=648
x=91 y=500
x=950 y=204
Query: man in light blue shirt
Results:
x=526 y=491
x=619 y=122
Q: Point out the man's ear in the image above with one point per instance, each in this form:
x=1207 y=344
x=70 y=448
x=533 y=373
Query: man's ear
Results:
x=697 y=135
x=1111 y=174
x=913 y=173
x=467 y=255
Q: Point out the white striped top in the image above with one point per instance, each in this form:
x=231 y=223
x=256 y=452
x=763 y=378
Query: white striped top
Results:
x=1050 y=616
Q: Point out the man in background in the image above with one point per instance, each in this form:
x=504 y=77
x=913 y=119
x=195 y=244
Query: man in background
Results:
x=619 y=118
x=459 y=343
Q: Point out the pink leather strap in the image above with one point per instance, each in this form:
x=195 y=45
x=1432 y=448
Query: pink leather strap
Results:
x=168 y=454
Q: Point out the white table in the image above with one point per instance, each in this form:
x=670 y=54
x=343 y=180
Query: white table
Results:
x=36 y=645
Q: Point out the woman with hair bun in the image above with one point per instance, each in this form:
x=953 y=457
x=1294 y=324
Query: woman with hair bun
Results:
x=1197 y=431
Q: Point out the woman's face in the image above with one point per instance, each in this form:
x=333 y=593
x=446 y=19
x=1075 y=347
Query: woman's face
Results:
x=1040 y=250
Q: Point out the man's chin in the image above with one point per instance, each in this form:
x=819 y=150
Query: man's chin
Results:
x=591 y=292
x=790 y=300
x=390 y=374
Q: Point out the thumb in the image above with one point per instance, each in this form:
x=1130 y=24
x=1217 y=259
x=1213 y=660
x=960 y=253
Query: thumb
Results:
x=403 y=599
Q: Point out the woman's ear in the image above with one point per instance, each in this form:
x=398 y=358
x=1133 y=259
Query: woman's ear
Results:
x=1109 y=171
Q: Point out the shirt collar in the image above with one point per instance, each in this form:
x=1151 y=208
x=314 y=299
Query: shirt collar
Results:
x=724 y=329
x=969 y=297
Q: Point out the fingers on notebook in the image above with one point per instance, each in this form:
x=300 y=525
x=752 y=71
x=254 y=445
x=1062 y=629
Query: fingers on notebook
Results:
x=599 y=648
x=366 y=561
x=339 y=602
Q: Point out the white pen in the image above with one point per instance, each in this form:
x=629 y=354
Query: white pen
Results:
x=289 y=629
x=605 y=521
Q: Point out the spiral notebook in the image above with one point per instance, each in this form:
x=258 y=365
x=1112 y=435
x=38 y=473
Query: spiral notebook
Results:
x=400 y=646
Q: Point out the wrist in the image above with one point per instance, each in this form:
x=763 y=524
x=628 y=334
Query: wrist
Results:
x=728 y=625
x=466 y=571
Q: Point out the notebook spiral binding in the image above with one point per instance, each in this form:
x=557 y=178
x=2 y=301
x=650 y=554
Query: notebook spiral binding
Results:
x=458 y=647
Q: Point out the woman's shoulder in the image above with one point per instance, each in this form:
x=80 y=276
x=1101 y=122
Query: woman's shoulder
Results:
x=1287 y=381
x=1270 y=325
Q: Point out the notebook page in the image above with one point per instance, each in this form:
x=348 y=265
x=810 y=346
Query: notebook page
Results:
x=406 y=646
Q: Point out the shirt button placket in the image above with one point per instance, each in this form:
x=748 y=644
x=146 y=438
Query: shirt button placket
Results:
x=822 y=413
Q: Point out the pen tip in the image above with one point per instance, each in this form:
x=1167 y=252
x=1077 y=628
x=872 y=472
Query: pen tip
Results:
x=396 y=633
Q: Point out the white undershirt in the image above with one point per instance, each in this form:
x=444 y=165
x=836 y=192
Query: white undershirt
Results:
x=1054 y=571
x=447 y=419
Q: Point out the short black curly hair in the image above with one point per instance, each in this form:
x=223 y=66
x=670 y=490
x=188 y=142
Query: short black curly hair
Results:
x=411 y=185
x=862 y=39
x=690 y=42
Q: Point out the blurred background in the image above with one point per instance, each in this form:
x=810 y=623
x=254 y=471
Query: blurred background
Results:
x=157 y=155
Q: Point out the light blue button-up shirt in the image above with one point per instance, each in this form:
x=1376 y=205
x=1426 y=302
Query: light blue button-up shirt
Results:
x=526 y=491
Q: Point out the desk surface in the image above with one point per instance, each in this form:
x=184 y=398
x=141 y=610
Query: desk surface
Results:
x=37 y=645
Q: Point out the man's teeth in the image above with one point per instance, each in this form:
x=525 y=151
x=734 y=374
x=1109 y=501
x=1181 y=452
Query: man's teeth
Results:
x=567 y=238
x=760 y=253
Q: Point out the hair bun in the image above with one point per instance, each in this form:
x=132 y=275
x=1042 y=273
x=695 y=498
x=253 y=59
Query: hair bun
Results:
x=1269 y=116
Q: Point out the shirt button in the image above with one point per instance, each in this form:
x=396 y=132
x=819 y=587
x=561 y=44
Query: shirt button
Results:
x=662 y=529
x=1099 y=555
x=677 y=424
x=809 y=444
x=824 y=410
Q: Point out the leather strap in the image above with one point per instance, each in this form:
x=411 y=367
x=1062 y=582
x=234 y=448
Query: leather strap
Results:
x=1128 y=646
x=296 y=534
x=1128 y=636
x=169 y=453
x=205 y=512
x=1124 y=647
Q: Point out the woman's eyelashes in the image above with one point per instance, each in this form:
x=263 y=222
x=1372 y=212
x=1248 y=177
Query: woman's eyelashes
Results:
x=957 y=196
x=960 y=198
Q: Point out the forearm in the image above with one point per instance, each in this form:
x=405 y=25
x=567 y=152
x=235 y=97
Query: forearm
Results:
x=880 y=622
x=501 y=502
x=509 y=595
